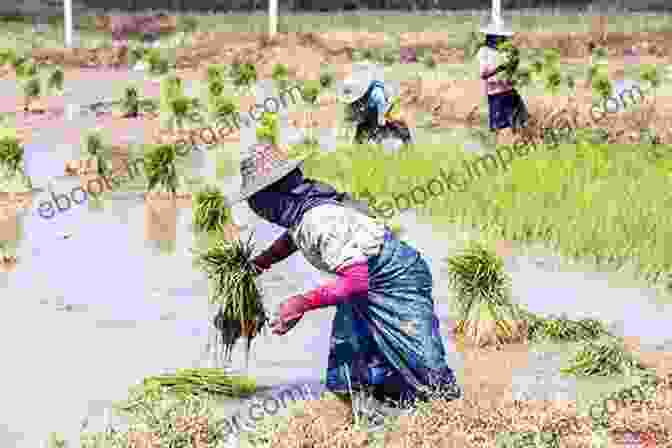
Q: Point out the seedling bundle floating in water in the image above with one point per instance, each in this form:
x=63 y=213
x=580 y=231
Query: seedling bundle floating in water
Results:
x=228 y=265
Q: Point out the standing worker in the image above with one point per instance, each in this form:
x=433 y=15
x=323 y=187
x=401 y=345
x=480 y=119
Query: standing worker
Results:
x=506 y=108
x=385 y=337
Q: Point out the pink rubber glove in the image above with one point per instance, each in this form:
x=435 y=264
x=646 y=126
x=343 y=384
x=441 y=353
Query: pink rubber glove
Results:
x=353 y=281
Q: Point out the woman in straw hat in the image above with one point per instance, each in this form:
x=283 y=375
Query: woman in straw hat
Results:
x=364 y=92
x=507 y=109
x=385 y=337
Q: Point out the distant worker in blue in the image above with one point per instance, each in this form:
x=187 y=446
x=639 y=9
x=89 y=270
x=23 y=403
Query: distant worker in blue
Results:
x=377 y=115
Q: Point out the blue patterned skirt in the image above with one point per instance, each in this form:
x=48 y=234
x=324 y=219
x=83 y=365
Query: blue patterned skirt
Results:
x=390 y=340
x=507 y=110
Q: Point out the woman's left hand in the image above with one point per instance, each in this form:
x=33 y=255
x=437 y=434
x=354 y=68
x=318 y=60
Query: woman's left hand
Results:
x=290 y=313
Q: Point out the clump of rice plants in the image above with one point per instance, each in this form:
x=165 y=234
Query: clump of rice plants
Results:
x=7 y=56
x=158 y=65
x=96 y=150
x=244 y=75
x=211 y=211
x=11 y=155
x=157 y=418
x=32 y=90
x=326 y=80
x=429 y=61
x=603 y=358
x=130 y=104
x=487 y=315
x=280 y=75
x=55 y=81
x=268 y=127
x=160 y=167
x=229 y=266
x=188 y=24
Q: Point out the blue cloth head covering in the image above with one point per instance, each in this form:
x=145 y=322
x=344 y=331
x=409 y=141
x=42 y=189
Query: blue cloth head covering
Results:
x=492 y=40
x=285 y=202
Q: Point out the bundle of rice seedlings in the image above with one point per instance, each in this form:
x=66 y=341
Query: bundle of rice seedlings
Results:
x=160 y=167
x=562 y=329
x=211 y=212
x=487 y=316
x=604 y=358
x=229 y=266
x=203 y=380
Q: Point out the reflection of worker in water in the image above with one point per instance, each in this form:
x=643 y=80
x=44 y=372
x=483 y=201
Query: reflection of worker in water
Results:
x=385 y=335
x=507 y=111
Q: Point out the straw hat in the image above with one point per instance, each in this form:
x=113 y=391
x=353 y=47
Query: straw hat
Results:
x=263 y=165
x=497 y=27
x=355 y=86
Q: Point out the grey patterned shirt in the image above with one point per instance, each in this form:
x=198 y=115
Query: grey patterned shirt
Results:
x=333 y=237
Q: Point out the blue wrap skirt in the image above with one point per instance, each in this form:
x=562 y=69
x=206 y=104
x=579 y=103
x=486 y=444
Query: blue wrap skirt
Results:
x=389 y=341
x=507 y=110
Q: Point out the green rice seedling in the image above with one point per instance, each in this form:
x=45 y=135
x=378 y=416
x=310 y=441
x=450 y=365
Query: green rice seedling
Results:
x=244 y=75
x=55 y=440
x=158 y=65
x=32 y=90
x=606 y=358
x=171 y=87
x=326 y=80
x=473 y=43
x=55 y=81
x=650 y=74
x=188 y=24
x=280 y=72
x=160 y=168
x=211 y=211
x=268 y=127
x=228 y=265
x=96 y=150
x=136 y=54
x=130 y=105
x=429 y=61
x=391 y=57
x=7 y=56
x=486 y=312
x=214 y=72
x=11 y=155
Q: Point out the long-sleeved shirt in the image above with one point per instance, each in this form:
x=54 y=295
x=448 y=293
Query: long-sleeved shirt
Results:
x=489 y=59
x=339 y=240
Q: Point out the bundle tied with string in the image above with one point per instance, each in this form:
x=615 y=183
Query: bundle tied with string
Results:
x=487 y=315
x=232 y=273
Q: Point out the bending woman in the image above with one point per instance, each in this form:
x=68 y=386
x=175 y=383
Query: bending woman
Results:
x=385 y=336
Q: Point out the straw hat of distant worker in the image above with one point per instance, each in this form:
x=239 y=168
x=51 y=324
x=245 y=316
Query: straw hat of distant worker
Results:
x=355 y=86
x=497 y=27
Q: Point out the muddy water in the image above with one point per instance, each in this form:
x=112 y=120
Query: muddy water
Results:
x=93 y=307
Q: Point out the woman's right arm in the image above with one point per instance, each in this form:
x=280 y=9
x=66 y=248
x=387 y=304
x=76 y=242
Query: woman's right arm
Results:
x=281 y=249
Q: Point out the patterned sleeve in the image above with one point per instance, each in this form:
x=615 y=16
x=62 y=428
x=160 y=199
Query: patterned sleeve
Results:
x=333 y=237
